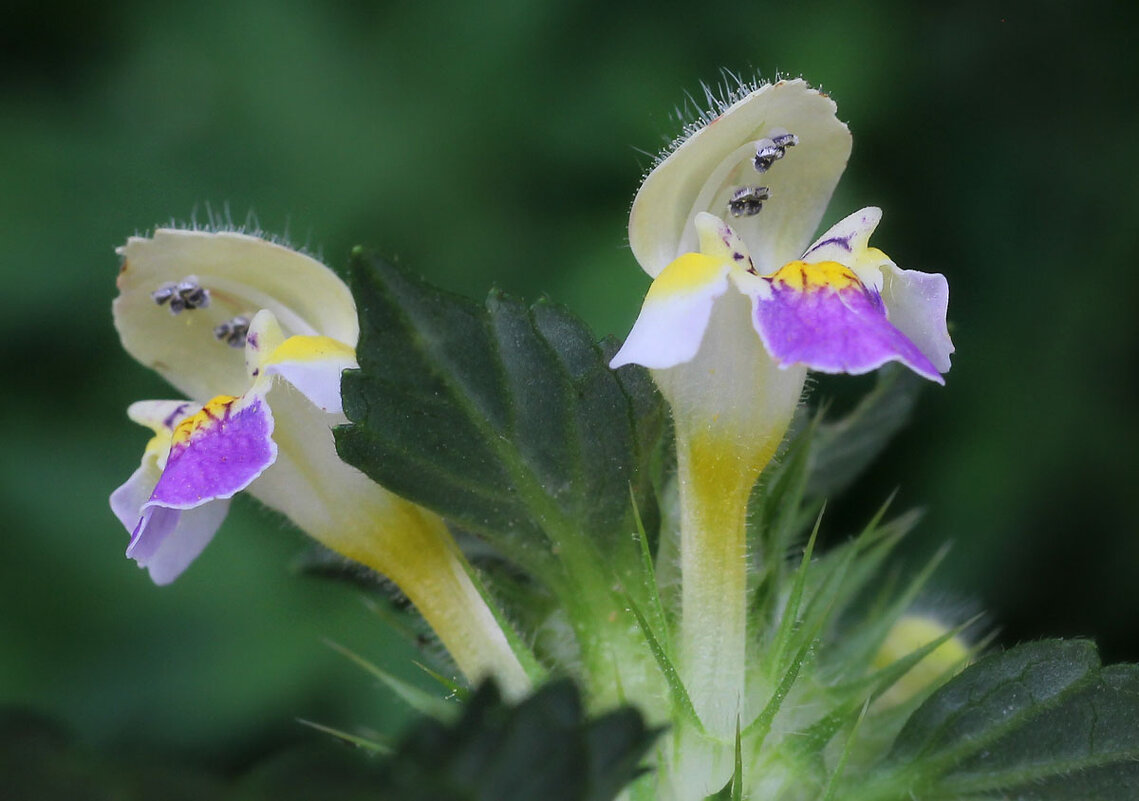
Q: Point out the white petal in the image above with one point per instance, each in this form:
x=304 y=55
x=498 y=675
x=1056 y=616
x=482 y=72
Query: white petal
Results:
x=263 y=337
x=127 y=500
x=675 y=313
x=313 y=365
x=179 y=536
x=848 y=243
x=161 y=415
x=704 y=171
x=732 y=390
x=243 y=275
x=917 y=304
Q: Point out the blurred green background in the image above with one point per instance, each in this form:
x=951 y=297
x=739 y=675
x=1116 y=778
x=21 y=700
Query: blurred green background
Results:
x=501 y=142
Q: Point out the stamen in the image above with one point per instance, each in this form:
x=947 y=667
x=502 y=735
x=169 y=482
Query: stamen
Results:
x=186 y=294
x=162 y=294
x=233 y=332
x=192 y=294
x=766 y=153
x=748 y=200
x=784 y=139
x=772 y=148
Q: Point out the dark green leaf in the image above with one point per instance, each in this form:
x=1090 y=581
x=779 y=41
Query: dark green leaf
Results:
x=544 y=748
x=504 y=418
x=1040 y=722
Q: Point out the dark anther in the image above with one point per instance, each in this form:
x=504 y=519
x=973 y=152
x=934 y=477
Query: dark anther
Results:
x=186 y=294
x=770 y=149
x=233 y=332
x=748 y=200
x=784 y=139
x=765 y=155
x=192 y=295
x=162 y=294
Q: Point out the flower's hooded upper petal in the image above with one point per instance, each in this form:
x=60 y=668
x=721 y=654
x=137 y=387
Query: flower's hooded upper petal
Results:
x=708 y=167
x=822 y=316
x=240 y=275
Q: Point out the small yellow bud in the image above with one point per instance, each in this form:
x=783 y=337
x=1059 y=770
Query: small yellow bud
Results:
x=910 y=633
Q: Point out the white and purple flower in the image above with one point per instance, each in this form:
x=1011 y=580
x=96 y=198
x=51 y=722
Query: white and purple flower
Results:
x=258 y=335
x=202 y=309
x=740 y=308
x=838 y=306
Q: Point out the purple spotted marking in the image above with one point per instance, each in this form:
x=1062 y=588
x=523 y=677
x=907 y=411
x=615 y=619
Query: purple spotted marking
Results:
x=842 y=241
x=176 y=415
x=835 y=331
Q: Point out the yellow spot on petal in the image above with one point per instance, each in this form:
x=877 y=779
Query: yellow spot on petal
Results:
x=690 y=272
x=804 y=277
x=310 y=349
x=871 y=257
x=210 y=414
x=159 y=447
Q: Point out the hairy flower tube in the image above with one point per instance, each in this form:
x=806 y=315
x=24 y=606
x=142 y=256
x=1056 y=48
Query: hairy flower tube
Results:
x=258 y=335
x=740 y=308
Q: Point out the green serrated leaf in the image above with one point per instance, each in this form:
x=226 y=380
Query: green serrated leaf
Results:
x=617 y=744
x=1040 y=722
x=543 y=748
x=996 y=694
x=504 y=419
